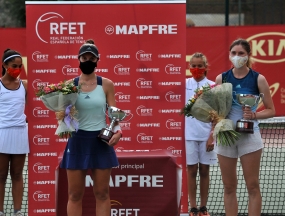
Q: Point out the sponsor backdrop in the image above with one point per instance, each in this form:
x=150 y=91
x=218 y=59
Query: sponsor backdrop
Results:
x=268 y=52
x=142 y=49
x=268 y=46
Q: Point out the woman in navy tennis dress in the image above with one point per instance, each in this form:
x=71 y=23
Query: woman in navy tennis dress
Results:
x=84 y=150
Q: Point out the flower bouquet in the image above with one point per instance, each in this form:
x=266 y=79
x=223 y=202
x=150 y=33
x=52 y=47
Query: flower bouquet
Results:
x=61 y=99
x=212 y=103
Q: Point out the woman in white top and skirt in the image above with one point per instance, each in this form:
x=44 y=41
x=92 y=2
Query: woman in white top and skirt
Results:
x=14 y=144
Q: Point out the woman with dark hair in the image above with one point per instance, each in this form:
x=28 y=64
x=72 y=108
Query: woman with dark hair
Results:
x=249 y=147
x=84 y=150
x=14 y=144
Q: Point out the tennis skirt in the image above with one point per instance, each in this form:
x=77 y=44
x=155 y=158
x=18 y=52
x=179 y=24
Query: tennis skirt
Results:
x=14 y=140
x=85 y=151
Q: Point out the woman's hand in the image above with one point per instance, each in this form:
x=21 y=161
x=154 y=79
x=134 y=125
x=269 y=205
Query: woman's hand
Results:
x=247 y=113
x=115 y=139
x=210 y=143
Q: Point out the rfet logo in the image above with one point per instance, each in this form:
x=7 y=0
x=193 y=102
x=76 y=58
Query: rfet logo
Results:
x=40 y=168
x=171 y=69
x=40 y=140
x=117 y=209
x=143 y=111
x=121 y=97
x=40 y=113
x=37 y=83
x=174 y=151
x=143 y=56
x=143 y=138
x=37 y=56
x=121 y=70
x=68 y=70
x=51 y=28
x=173 y=125
x=143 y=83
x=40 y=196
x=172 y=97
x=268 y=47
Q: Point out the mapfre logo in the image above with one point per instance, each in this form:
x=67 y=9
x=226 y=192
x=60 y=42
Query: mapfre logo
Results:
x=37 y=56
x=117 y=209
x=143 y=83
x=121 y=97
x=121 y=70
x=171 y=69
x=143 y=111
x=169 y=83
x=44 y=210
x=166 y=111
x=173 y=125
x=172 y=97
x=268 y=47
x=39 y=196
x=143 y=138
x=143 y=56
x=148 y=97
x=40 y=140
x=141 y=29
x=69 y=71
x=40 y=112
x=51 y=29
x=44 y=71
x=40 y=168
x=122 y=84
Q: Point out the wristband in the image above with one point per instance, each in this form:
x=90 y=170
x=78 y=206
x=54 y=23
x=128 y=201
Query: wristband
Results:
x=116 y=128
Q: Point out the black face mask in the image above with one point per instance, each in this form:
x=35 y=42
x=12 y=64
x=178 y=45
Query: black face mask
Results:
x=87 y=67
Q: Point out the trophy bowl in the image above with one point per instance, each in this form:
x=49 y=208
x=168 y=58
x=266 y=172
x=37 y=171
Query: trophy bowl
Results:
x=246 y=100
x=116 y=115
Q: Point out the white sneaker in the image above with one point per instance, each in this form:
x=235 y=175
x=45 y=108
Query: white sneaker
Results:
x=18 y=213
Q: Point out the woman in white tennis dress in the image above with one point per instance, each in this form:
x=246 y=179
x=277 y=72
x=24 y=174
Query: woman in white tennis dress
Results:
x=14 y=144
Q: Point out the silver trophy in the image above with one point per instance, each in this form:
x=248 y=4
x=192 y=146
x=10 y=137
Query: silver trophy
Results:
x=251 y=101
x=116 y=115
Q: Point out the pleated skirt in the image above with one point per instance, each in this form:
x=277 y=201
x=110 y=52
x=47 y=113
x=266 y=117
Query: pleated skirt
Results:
x=14 y=140
x=85 y=151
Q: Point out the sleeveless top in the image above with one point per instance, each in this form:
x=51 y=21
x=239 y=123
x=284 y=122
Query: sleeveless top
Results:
x=245 y=85
x=91 y=107
x=12 y=106
x=195 y=129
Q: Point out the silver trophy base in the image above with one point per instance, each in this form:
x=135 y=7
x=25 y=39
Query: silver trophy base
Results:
x=105 y=135
x=244 y=126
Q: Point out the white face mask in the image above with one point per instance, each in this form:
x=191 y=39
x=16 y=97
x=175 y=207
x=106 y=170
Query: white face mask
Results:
x=239 y=61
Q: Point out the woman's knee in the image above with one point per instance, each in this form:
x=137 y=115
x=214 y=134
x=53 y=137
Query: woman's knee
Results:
x=253 y=188
x=16 y=176
x=230 y=188
x=204 y=171
x=75 y=196
x=192 y=170
x=101 y=194
x=3 y=178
